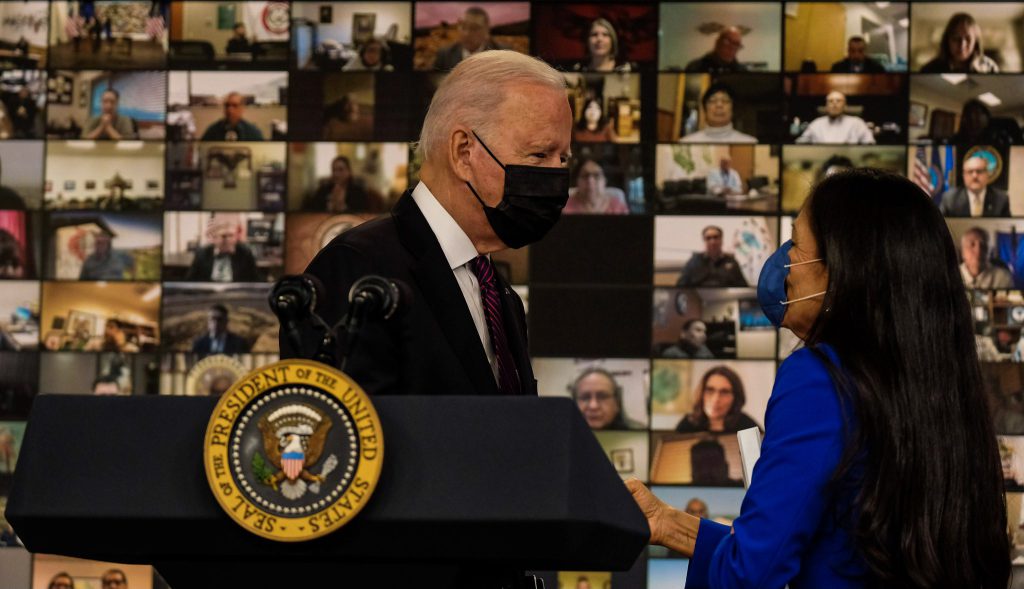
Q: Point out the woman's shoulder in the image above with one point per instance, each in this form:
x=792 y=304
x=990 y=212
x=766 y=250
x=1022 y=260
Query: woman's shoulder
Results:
x=935 y=66
x=804 y=376
x=687 y=426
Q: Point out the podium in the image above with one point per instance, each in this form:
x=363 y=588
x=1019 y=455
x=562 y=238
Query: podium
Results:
x=471 y=487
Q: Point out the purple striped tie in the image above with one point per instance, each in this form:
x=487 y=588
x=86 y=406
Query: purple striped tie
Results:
x=508 y=378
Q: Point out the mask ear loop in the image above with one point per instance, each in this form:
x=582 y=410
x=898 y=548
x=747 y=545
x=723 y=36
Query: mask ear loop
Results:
x=802 y=263
x=808 y=296
x=487 y=149
x=803 y=298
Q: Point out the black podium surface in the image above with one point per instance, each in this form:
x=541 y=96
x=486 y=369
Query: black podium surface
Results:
x=502 y=482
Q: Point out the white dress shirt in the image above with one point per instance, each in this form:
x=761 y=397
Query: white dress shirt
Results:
x=459 y=251
x=842 y=129
x=724 y=183
x=723 y=134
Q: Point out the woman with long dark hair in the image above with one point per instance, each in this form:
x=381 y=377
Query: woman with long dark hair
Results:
x=718 y=404
x=879 y=466
x=343 y=192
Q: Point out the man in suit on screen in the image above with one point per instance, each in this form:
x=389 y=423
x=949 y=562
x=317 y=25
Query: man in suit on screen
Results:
x=474 y=37
x=975 y=198
x=495 y=143
x=217 y=339
x=857 y=60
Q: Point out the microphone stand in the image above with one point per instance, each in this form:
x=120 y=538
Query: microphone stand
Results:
x=352 y=322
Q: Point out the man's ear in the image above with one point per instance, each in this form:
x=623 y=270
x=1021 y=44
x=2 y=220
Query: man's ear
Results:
x=460 y=144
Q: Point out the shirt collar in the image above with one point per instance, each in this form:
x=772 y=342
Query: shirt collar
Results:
x=456 y=245
x=723 y=130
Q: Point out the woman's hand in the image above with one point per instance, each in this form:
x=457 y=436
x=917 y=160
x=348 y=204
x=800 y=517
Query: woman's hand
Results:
x=669 y=527
x=654 y=509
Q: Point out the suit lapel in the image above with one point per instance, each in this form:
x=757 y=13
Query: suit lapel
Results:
x=441 y=293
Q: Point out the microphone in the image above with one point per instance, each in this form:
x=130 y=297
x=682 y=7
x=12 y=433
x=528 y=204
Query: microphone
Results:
x=293 y=299
x=379 y=296
x=371 y=297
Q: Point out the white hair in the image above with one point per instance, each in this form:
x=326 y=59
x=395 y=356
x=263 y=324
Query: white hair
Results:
x=473 y=92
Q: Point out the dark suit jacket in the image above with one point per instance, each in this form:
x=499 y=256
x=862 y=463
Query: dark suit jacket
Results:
x=233 y=344
x=871 y=66
x=956 y=203
x=243 y=265
x=431 y=346
x=450 y=56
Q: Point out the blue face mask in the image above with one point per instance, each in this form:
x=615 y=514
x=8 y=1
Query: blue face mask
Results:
x=771 y=284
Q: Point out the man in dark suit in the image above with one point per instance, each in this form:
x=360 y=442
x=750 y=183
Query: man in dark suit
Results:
x=474 y=37
x=857 y=60
x=224 y=260
x=723 y=59
x=465 y=330
x=975 y=198
x=217 y=339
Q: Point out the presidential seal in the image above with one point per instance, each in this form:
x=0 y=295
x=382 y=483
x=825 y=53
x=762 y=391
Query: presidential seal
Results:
x=213 y=375
x=293 y=450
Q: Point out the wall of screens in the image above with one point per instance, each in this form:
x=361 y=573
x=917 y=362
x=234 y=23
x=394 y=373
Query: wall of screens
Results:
x=162 y=163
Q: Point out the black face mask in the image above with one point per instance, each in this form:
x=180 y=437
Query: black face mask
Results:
x=532 y=201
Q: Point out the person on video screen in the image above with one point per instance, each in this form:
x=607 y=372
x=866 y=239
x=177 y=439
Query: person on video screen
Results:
x=591 y=193
x=372 y=56
x=474 y=37
x=109 y=124
x=692 y=343
x=836 y=126
x=594 y=126
x=975 y=267
x=24 y=112
x=718 y=101
x=975 y=198
x=960 y=49
x=224 y=259
x=217 y=339
x=233 y=127
x=11 y=263
x=602 y=43
x=344 y=192
x=105 y=262
x=599 y=397
x=718 y=406
x=724 y=180
x=857 y=60
x=723 y=58
x=238 y=43
x=712 y=267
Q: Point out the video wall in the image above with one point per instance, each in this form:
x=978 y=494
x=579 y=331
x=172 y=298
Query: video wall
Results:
x=162 y=163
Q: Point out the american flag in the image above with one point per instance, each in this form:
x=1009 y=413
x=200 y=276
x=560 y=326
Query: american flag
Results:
x=922 y=172
x=155 y=27
x=73 y=27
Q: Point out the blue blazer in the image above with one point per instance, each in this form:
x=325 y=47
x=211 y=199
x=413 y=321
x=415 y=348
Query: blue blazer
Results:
x=787 y=531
